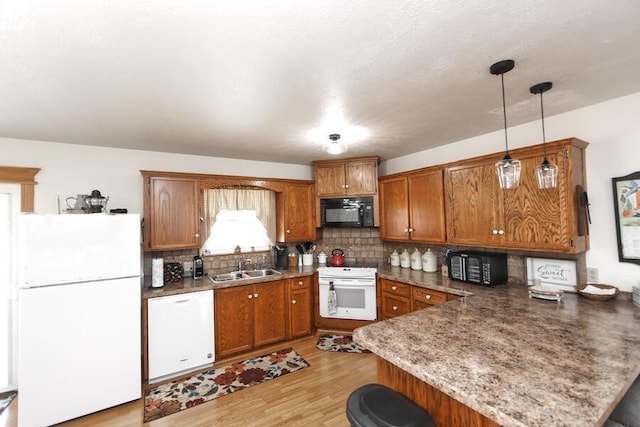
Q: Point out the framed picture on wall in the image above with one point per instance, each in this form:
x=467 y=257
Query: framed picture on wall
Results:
x=626 y=201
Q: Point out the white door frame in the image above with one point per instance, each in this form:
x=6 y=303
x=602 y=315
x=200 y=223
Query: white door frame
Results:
x=10 y=286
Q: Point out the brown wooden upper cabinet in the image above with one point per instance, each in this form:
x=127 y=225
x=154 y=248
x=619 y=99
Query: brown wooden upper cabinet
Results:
x=480 y=214
x=171 y=212
x=172 y=207
x=412 y=206
x=296 y=217
x=350 y=177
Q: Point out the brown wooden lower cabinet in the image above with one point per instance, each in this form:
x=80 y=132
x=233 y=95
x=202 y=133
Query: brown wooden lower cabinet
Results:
x=300 y=301
x=233 y=312
x=423 y=298
x=249 y=316
x=445 y=410
x=395 y=298
x=400 y=298
x=269 y=321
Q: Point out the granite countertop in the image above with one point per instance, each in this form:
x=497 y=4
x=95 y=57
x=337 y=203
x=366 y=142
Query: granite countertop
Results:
x=519 y=361
x=189 y=284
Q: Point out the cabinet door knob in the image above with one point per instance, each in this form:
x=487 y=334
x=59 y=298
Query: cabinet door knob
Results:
x=346 y=186
x=288 y=231
x=299 y=283
x=250 y=296
x=395 y=308
x=411 y=230
x=255 y=295
x=495 y=231
x=393 y=288
x=406 y=230
x=500 y=231
x=293 y=302
x=428 y=296
x=197 y=234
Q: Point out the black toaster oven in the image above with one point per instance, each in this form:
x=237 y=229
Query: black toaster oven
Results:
x=482 y=268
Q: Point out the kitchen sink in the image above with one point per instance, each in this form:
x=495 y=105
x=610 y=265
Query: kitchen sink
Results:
x=243 y=275
x=262 y=273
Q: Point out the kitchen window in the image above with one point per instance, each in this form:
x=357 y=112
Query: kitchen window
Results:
x=238 y=218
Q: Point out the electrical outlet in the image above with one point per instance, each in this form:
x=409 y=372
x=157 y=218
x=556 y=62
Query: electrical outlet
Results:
x=187 y=268
x=592 y=275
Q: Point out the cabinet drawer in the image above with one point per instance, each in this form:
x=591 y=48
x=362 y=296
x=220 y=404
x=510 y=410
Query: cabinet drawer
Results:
x=395 y=288
x=300 y=283
x=393 y=305
x=429 y=296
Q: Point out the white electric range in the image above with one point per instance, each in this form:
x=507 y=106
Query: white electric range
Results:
x=355 y=291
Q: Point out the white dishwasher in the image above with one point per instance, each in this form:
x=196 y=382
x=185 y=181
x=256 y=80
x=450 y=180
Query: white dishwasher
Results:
x=180 y=334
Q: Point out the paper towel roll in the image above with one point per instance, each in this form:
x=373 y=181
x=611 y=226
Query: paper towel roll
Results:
x=157 y=273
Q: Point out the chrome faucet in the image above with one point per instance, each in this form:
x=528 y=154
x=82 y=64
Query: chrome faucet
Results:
x=244 y=262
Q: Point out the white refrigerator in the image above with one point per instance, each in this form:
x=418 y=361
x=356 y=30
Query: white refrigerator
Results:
x=79 y=315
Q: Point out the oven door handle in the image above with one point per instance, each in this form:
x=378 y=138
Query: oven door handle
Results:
x=350 y=283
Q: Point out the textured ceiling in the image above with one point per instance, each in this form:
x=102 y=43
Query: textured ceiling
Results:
x=269 y=80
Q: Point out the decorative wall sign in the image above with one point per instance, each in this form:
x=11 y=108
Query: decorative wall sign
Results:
x=559 y=274
x=626 y=201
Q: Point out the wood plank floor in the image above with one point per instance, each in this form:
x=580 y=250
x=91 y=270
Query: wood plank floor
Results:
x=315 y=396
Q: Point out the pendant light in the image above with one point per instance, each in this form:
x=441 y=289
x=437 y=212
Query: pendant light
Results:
x=547 y=173
x=507 y=169
x=335 y=146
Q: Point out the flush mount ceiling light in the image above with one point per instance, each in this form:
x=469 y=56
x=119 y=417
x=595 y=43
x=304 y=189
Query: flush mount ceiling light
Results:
x=507 y=169
x=334 y=146
x=547 y=173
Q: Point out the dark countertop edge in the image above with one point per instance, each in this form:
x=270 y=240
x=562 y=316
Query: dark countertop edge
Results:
x=189 y=284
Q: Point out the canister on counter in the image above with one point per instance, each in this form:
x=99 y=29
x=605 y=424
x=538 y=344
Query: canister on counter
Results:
x=292 y=260
x=322 y=258
x=429 y=261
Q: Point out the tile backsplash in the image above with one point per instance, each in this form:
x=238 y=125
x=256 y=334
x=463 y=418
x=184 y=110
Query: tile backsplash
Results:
x=211 y=263
x=363 y=244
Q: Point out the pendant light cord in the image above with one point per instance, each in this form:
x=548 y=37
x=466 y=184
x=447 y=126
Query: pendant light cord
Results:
x=504 y=114
x=544 y=138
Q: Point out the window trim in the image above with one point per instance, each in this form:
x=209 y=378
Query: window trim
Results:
x=26 y=178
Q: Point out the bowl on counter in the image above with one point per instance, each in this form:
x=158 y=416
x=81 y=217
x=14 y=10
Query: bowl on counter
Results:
x=597 y=291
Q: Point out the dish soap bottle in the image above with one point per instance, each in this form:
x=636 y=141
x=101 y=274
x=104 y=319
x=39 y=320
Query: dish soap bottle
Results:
x=416 y=260
x=429 y=262
x=395 y=259
x=405 y=259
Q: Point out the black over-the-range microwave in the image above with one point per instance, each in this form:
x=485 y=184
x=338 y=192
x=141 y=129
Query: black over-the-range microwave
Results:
x=481 y=268
x=347 y=212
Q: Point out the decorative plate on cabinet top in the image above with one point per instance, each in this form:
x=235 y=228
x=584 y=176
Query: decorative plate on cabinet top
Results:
x=597 y=291
x=545 y=292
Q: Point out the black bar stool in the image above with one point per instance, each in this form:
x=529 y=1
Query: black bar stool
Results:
x=375 y=405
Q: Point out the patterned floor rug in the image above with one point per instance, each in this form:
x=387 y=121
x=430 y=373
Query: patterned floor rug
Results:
x=5 y=399
x=341 y=343
x=176 y=396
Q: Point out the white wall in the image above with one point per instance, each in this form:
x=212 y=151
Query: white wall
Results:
x=67 y=170
x=613 y=130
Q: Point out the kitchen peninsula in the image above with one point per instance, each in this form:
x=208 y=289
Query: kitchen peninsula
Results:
x=498 y=357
